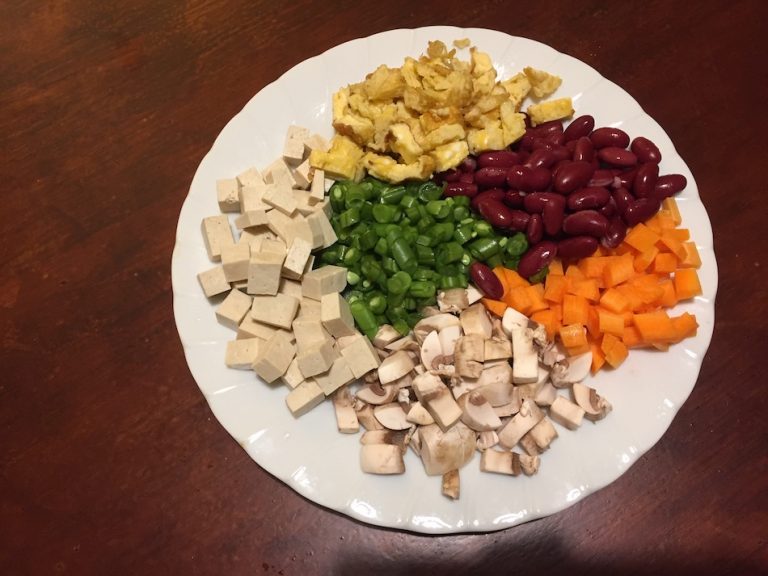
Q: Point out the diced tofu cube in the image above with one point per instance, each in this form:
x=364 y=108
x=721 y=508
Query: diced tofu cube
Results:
x=337 y=376
x=278 y=310
x=264 y=272
x=250 y=177
x=275 y=355
x=241 y=354
x=251 y=197
x=304 y=397
x=233 y=309
x=279 y=172
x=316 y=358
x=213 y=281
x=254 y=236
x=327 y=209
x=296 y=259
x=216 y=234
x=250 y=219
x=234 y=261
x=293 y=151
x=303 y=202
x=293 y=376
x=336 y=315
x=290 y=287
x=279 y=195
x=303 y=173
x=316 y=142
x=317 y=190
x=327 y=231
x=299 y=228
x=228 y=195
x=308 y=332
x=318 y=229
x=250 y=328
x=322 y=281
x=360 y=356
x=280 y=224
x=274 y=245
x=309 y=309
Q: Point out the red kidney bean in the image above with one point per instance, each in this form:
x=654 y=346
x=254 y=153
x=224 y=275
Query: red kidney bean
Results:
x=640 y=210
x=609 y=210
x=625 y=179
x=466 y=177
x=606 y=136
x=535 y=201
x=589 y=197
x=526 y=142
x=536 y=258
x=469 y=164
x=552 y=215
x=570 y=176
x=584 y=150
x=615 y=233
x=669 y=185
x=528 y=179
x=579 y=127
x=535 y=229
x=645 y=150
x=551 y=130
x=601 y=178
x=523 y=154
x=645 y=180
x=493 y=193
x=491 y=176
x=499 y=216
x=451 y=175
x=616 y=156
x=540 y=158
x=571 y=146
x=577 y=247
x=622 y=198
x=589 y=222
x=486 y=281
x=514 y=198
x=459 y=189
x=498 y=158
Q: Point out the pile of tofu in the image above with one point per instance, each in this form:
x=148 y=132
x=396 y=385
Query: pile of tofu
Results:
x=290 y=321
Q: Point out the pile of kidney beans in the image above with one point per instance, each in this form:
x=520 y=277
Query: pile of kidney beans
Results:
x=567 y=189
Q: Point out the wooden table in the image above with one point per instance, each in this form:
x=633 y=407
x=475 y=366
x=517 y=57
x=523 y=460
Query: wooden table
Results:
x=112 y=462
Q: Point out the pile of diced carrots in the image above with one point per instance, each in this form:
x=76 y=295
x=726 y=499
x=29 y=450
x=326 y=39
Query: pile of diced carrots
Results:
x=615 y=299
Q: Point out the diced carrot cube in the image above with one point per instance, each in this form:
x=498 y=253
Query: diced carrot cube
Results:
x=575 y=309
x=593 y=323
x=632 y=297
x=665 y=219
x=618 y=271
x=501 y=273
x=687 y=283
x=598 y=357
x=670 y=204
x=556 y=267
x=576 y=350
x=617 y=354
x=574 y=272
x=692 y=258
x=631 y=337
x=647 y=288
x=645 y=259
x=614 y=301
x=685 y=326
x=519 y=299
x=494 y=306
x=593 y=266
x=629 y=317
x=669 y=297
x=554 y=288
x=573 y=336
x=514 y=279
x=608 y=342
x=587 y=288
x=670 y=244
x=548 y=319
x=655 y=327
x=610 y=323
x=536 y=296
x=679 y=234
x=664 y=263
x=640 y=237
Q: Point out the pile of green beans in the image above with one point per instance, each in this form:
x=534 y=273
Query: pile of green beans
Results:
x=401 y=243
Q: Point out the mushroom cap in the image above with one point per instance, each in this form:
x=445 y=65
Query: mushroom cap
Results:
x=381 y=459
x=595 y=406
x=576 y=368
x=376 y=394
x=431 y=348
x=391 y=416
x=477 y=413
x=395 y=366
x=443 y=451
x=432 y=323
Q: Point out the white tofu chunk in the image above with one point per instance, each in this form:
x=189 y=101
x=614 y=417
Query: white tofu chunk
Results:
x=279 y=195
x=293 y=151
x=295 y=132
x=316 y=142
x=360 y=355
x=293 y=376
x=321 y=281
x=251 y=198
x=304 y=397
x=338 y=375
x=274 y=357
x=250 y=328
x=216 y=234
x=250 y=219
x=250 y=177
x=296 y=259
x=309 y=309
x=213 y=281
x=274 y=245
x=303 y=173
x=303 y=202
x=241 y=354
x=317 y=190
x=228 y=195
x=290 y=287
x=316 y=358
x=279 y=172
x=278 y=310
x=317 y=229
x=234 y=261
x=308 y=332
x=264 y=272
x=326 y=229
x=233 y=309
x=346 y=417
x=336 y=315
x=254 y=237
x=326 y=208
x=280 y=224
x=299 y=228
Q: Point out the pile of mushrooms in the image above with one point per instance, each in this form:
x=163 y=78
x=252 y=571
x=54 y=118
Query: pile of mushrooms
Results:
x=460 y=382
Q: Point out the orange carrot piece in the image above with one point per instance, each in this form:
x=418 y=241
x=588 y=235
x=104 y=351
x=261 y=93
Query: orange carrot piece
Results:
x=614 y=301
x=665 y=219
x=692 y=258
x=655 y=327
x=501 y=274
x=536 y=296
x=574 y=272
x=617 y=354
x=554 y=288
x=669 y=297
x=632 y=297
x=494 y=306
x=647 y=288
x=640 y=237
x=687 y=283
x=645 y=259
x=664 y=263
x=593 y=266
x=679 y=234
x=598 y=358
x=631 y=337
x=593 y=323
x=548 y=319
x=514 y=279
x=587 y=288
x=575 y=309
x=519 y=300
x=619 y=270
x=671 y=244
x=670 y=204
x=573 y=336
x=610 y=323
x=556 y=268
x=576 y=350
x=685 y=326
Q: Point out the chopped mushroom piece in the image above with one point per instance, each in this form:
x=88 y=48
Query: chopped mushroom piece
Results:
x=437 y=399
x=448 y=338
x=346 y=418
x=529 y=463
x=497 y=349
x=469 y=356
x=525 y=368
x=433 y=323
x=495 y=383
x=520 y=423
x=385 y=335
x=595 y=406
x=381 y=459
x=453 y=300
x=395 y=366
x=566 y=413
x=396 y=438
x=417 y=414
x=475 y=320
x=487 y=440
x=543 y=434
x=477 y=413
x=500 y=462
x=376 y=394
x=529 y=445
x=431 y=349
x=546 y=394
x=366 y=418
x=571 y=370
x=513 y=319
x=443 y=451
x=391 y=416
x=451 y=484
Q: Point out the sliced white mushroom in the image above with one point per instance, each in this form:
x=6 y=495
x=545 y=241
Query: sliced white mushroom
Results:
x=595 y=406
x=404 y=343
x=546 y=394
x=487 y=440
x=495 y=383
x=396 y=438
x=385 y=335
x=451 y=485
x=417 y=414
x=525 y=368
x=497 y=349
x=437 y=399
x=430 y=311
x=529 y=463
x=392 y=416
x=529 y=445
x=431 y=348
x=448 y=338
x=571 y=370
x=566 y=413
x=473 y=295
x=475 y=320
x=434 y=323
x=512 y=407
x=463 y=386
x=477 y=413
x=538 y=335
x=413 y=439
x=396 y=366
x=346 y=417
x=528 y=391
x=513 y=319
x=528 y=416
x=365 y=416
x=543 y=433
x=376 y=394
x=469 y=355
x=453 y=300
x=443 y=451
x=500 y=462
x=381 y=459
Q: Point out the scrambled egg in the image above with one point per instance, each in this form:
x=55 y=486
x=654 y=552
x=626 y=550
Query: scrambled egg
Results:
x=428 y=115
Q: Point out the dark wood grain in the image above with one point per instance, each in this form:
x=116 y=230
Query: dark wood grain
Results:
x=112 y=462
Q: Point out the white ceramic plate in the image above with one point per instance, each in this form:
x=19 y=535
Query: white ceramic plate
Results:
x=309 y=454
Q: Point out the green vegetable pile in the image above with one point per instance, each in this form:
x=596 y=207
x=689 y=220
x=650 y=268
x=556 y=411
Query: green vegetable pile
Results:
x=403 y=243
